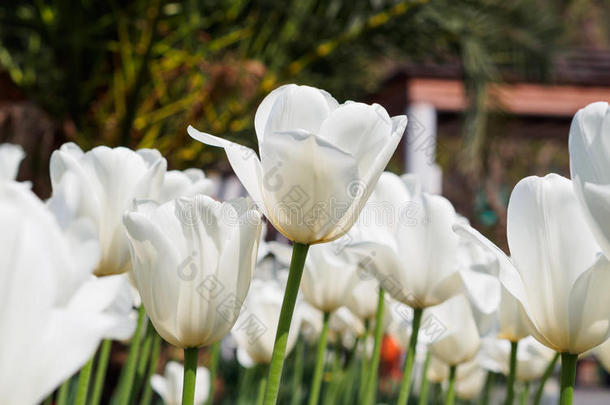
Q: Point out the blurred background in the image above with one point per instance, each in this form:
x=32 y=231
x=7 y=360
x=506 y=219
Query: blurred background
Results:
x=490 y=86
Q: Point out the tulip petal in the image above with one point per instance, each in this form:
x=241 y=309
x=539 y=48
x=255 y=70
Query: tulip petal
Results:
x=244 y=162
x=595 y=200
x=589 y=144
x=294 y=108
x=306 y=184
x=589 y=302
x=368 y=180
x=360 y=129
x=551 y=258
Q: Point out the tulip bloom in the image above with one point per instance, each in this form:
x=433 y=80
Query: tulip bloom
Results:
x=557 y=272
x=319 y=161
x=193 y=259
x=100 y=185
x=169 y=385
x=590 y=167
x=255 y=328
x=460 y=342
x=187 y=183
x=329 y=277
x=54 y=312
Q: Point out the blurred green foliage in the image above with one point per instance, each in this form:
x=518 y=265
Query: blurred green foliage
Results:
x=137 y=73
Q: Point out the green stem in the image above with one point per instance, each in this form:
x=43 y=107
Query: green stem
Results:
x=129 y=370
x=152 y=368
x=525 y=393
x=84 y=378
x=405 y=386
x=364 y=363
x=319 y=367
x=297 y=375
x=246 y=376
x=348 y=398
x=62 y=393
x=489 y=382
x=370 y=390
x=547 y=373
x=48 y=400
x=191 y=355
x=425 y=383
x=299 y=253
x=213 y=370
x=450 y=398
x=261 y=389
x=100 y=371
x=142 y=366
x=512 y=372
x=568 y=377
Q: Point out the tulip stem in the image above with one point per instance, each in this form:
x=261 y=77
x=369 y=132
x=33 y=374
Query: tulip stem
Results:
x=100 y=371
x=512 y=372
x=364 y=363
x=262 y=382
x=489 y=382
x=84 y=377
x=191 y=356
x=370 y=390
x=319 y=367
x=152 y=368
x=213 y=369
x=525 y=393
x=297 y=375
x=299 y=253
x=405 y=387
x=129 y=370
x=547 y=373
x=425 y=384
x=568 y=377
x=450 y=398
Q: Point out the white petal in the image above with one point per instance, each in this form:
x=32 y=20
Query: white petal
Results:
x=244 y=162
x=595 y=200
x=359 y=129
x=552 y=257
x=590 y=144
x=294 y=108
x=306 y=185
x=588 y=303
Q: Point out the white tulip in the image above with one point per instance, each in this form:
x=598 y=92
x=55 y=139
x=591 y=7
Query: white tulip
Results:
x=469 y=377
x=513 y=322
x=590 y=167
x=256 y=326
x=54 y=313
x=460 y=341
x=329 y=277
x=193 y=259
x=319 y=161
x=10 y=158
x=344 y=325
x=557 y=272
x=406 y=238
x=363 y=298
x=169 y=385
x=100 y=185
x=532 y=357
x=187 y=183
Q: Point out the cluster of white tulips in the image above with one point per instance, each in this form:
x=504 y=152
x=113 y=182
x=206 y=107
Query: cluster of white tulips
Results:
x=126 y=250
